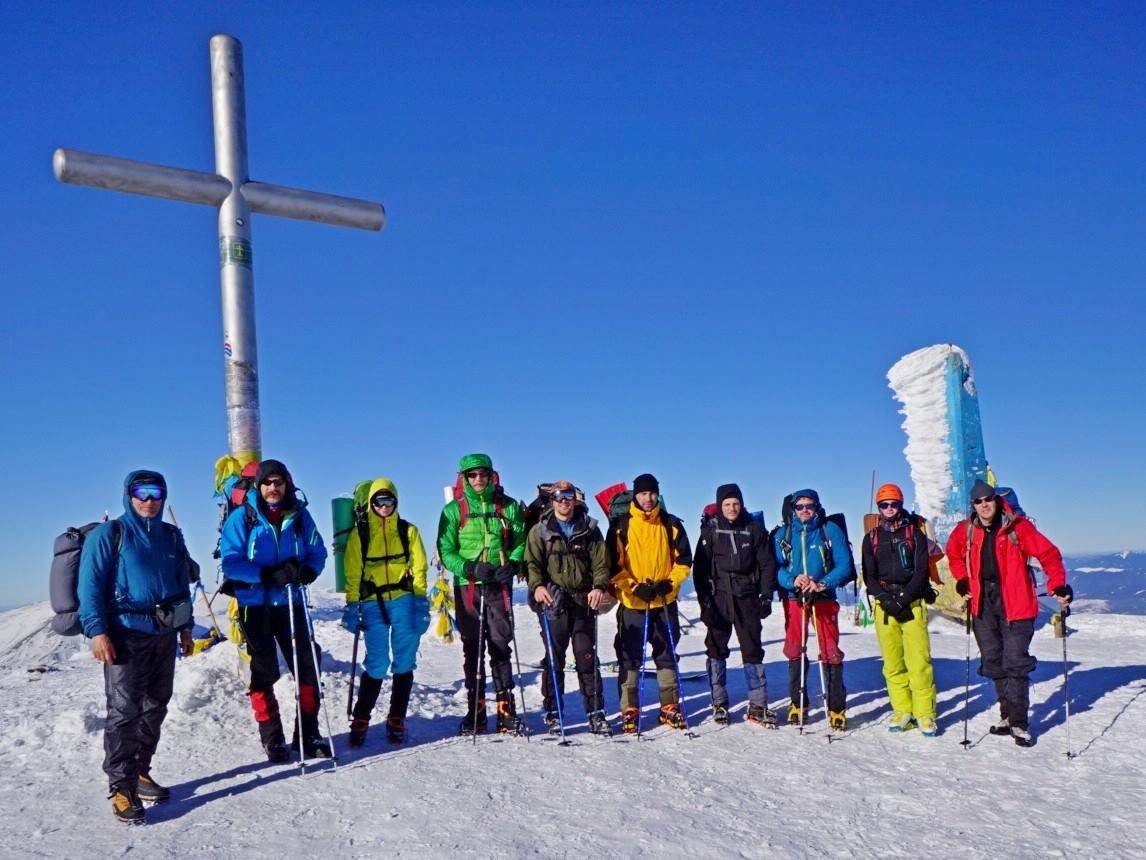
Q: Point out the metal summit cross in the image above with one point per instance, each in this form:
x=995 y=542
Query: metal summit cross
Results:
x=236 y=196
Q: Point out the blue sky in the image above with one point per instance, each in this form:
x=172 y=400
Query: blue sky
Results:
x=680 y=238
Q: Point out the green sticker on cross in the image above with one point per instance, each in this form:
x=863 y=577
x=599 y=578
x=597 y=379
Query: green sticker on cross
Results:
x=235 y=251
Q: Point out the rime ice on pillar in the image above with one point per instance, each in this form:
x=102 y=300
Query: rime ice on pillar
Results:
x=230 y=189
x=944 y=434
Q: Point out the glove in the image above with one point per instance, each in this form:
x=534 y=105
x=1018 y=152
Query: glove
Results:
x=646 y=591
x=1064 y=591
x=663 y=588
x=478 y=571
x=352 y=617
x=962 y=587
x=307 y=574
x=505 y=573
x=278 y=574
x=765 y=607
x=421 y=612
x=890 y=606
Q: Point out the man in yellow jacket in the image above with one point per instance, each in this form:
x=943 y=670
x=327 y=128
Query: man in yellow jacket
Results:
x=651 y=559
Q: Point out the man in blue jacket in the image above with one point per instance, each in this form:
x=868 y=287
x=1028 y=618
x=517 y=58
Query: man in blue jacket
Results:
x=269 y=544
x=135 y=601
x=814 y=561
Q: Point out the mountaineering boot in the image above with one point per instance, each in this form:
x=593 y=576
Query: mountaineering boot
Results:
x=395 y=729
x=277 y=752
x=1022 y=737
x=151 y=791
x=358 y=727
x=599 y=725
x=928 y=727
x=672 y=717
x=399 y=702
x=796 y=716
x=901 y=721
x=837 y=720
x=125 y=806
x=1003 y=727
x=720 y=714
x=507 y=713
x=368 y=689
x=313 y=747
x=475 y=719
x=629 y=720
x=552 y=722
x=761 y=716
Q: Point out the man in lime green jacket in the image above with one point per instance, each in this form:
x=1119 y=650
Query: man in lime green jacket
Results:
x=481 y=541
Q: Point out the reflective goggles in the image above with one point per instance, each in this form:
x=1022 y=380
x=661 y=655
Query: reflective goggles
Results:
x=146 y=492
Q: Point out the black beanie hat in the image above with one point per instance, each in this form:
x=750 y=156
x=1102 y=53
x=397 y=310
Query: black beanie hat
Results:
x=981 y=489
x=276 y=467
x=728 y=491
x=646 y=483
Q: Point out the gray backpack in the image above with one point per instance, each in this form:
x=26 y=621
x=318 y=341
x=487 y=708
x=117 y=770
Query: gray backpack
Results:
x=65 y=576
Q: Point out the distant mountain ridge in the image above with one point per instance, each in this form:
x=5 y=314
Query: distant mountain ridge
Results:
x=1108 y=582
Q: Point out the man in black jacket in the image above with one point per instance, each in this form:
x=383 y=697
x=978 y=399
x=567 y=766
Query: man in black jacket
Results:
x=734 y=574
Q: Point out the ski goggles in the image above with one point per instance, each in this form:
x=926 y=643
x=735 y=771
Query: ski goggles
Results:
x=885 y=505
x=383 y=501
x=564 y=496
x=146 y=492
x=808 y=507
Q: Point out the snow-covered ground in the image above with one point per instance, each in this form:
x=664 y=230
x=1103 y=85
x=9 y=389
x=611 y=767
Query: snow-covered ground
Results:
x=739 y=791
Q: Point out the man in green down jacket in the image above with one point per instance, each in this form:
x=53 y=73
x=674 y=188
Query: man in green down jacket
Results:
x=568 y=572
x=481 y=541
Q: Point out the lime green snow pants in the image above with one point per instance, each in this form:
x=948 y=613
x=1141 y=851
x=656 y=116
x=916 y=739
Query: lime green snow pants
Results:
x=906 y=650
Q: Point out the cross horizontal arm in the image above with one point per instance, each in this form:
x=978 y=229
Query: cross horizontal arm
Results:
x=285 y=202
x=192 y=186
x=139 y=177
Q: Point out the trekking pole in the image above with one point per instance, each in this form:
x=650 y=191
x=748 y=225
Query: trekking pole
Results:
x=820 y=661
x=550 y=658
x=641 y=671
x=966 y=743
x=507 y=596
x=479 y=680
x=313 y=648
x=803 y=661
x=676 y=668
x=297 y=692
x=599 y=696
x=1063 y=614
x=353 y=673
x=197 y=585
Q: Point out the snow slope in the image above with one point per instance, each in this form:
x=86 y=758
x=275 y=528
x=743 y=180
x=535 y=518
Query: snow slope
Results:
x=739 y=791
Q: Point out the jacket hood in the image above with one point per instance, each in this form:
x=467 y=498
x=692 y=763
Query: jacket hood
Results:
x=811 y=494
x=143 y=476
x=475 y=461
x=382 y=485
x=275 y=467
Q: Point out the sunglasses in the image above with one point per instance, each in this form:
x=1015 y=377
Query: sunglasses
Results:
x=272 y=482
x=383 y=502
x=885 y=505
x=563 y=497
x=808 y=507
x=145 y=492
x=983 y=500
x=477 y=473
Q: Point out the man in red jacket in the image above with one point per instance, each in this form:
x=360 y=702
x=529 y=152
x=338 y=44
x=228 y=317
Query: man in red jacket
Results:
x=988 y=554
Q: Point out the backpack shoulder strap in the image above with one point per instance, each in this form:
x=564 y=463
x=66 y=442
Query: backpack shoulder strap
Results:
x=404 y=537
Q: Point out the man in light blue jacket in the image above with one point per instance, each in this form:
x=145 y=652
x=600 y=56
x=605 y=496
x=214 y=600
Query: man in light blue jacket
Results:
x=135 y=601
x=814 y=560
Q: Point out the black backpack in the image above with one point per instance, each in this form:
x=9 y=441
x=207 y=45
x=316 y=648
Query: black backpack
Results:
x=65 y=576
